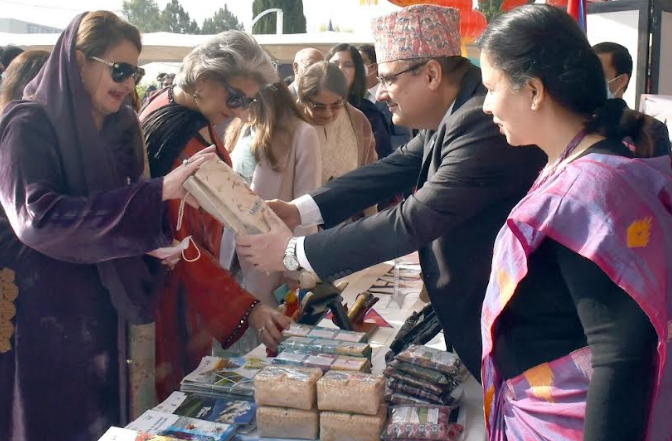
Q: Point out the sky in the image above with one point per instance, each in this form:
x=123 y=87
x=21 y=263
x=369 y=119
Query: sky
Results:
x=346 y=14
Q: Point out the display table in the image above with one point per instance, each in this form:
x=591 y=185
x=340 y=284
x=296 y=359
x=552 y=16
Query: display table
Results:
x=380 y=340
x=393 y=308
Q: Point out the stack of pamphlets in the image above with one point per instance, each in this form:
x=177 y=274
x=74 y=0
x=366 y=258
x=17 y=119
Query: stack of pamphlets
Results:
x=222 y=377
x=180 y=427
x=238 y=412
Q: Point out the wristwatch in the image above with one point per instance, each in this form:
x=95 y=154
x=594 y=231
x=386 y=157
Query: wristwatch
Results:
x=290 y=260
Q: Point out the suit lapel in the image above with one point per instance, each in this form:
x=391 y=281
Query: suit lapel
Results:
x=470 y=85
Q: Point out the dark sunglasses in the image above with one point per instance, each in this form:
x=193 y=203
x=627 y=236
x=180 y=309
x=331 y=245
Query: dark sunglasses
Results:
x=237 y=99
x=123 y=71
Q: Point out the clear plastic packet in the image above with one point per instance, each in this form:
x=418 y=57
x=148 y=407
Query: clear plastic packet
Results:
x=278 y=422
x=430 y=358
x=338 y=426
x=430 y=375
x=323 y=361
x=422 y=423
x=350 y=392
x=285 y=386
x=296 y=330
x=323 y=346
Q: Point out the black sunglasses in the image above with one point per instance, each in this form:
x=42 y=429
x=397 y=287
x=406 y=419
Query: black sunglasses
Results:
x=123 y=71
x=237 y=99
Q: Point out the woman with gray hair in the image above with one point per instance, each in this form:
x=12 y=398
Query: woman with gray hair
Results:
x=217 y=82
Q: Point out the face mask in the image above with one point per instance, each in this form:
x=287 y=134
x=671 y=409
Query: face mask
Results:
x=173 y=253
x=611 y=95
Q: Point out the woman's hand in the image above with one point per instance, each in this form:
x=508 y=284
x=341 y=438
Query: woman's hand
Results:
x=269 y=324
x=172 y=182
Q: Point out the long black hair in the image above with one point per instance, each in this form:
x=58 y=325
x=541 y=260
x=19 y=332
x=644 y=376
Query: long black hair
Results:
x=358 y=89
x=544 y=42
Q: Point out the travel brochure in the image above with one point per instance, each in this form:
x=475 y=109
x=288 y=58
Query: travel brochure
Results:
x=217 y=376
x=216 y=410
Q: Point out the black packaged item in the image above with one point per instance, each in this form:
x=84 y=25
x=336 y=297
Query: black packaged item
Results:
x=399 y=386
x=401 y=399
x=430 y=375
x=419 y=329
x=390 y=372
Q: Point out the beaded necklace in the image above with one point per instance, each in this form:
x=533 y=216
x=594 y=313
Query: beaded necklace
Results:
x=549 y=171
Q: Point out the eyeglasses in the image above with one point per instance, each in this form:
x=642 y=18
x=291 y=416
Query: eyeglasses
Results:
x=388 y=80
x=237 y=99
x=321 y=107
x=122 y=71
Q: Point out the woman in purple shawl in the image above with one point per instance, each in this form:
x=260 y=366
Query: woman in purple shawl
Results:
x=577 y=316
x=76 y=224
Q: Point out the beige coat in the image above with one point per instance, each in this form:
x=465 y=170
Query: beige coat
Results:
x=298 y=172
x=346 y=144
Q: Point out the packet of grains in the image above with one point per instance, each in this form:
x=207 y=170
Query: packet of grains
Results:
x=351 y=392
x=285 y=386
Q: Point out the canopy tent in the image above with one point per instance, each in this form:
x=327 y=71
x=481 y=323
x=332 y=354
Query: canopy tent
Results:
x=167 y=47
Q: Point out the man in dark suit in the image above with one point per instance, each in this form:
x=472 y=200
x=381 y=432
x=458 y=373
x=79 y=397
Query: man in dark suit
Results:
x=398 y=135
x=467 y=178
x=617 y=65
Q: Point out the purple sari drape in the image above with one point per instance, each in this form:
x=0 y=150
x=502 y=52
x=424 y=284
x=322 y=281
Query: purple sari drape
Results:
x=617 y=212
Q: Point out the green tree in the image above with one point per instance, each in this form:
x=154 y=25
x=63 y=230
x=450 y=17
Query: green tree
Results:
x=294 y=22
x=223 y=20
x=142 y=13
x=175 y=19
x=493 y=8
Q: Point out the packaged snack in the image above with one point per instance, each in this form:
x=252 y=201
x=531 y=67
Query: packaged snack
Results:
x=395 y=385
x=323 y=361
x=350 y=392
x=296 y=330
x=285 y=386
x=336 y=426
x=430 y=358
x=423 y=423
x=430 y=375
x=279 y=422
x=390 y=372
x=323 y=346
x=355 y=364
x=402 y=399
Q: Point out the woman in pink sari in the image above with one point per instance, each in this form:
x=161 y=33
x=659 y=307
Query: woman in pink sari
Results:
x=576 y=320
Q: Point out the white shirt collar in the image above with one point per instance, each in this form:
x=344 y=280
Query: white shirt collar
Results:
x=371 y=93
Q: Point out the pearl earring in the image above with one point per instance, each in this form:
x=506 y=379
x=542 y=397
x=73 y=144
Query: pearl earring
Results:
x=195 y=95
x=534 y=106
